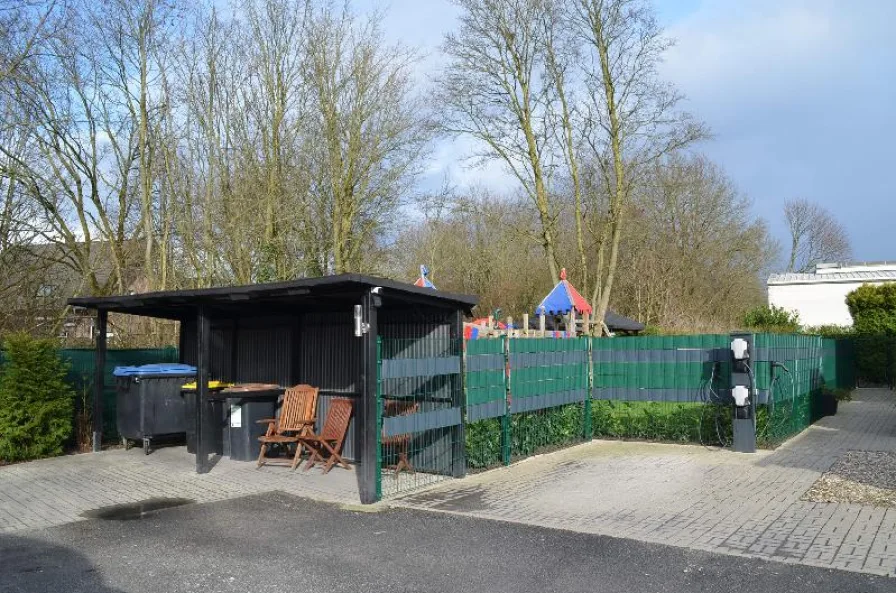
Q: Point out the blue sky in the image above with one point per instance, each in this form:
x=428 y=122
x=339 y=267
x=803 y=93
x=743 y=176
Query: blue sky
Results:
x=799 y=95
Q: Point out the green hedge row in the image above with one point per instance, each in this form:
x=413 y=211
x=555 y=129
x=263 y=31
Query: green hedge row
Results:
x=536 y=432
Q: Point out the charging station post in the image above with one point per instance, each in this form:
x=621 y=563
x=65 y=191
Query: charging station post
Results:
x=743 y=391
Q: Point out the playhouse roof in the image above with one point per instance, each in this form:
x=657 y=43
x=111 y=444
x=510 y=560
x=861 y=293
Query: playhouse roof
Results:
x=423 y=280
x=562 y=299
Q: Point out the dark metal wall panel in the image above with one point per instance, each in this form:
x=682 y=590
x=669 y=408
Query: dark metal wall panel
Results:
x=188 y=352
x=329 y=353
x=265 y=351
x=221 y=356
x=415 y=322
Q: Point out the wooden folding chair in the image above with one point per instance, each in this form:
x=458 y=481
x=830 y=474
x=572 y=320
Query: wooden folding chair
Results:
x=297 y=418
x=399 y=443
x=326 y=447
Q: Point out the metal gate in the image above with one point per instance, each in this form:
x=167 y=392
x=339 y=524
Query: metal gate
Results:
x=420 y=413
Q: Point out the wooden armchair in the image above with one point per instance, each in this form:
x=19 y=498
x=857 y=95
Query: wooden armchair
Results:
x=297 y=417
x=398 y=444
x=326 y=447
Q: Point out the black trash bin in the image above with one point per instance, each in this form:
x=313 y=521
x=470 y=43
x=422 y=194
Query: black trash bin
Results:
x=217 y=427
x=242 y=412
x=149 y=403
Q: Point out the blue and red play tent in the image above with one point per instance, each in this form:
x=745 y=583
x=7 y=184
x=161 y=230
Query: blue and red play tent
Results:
x=562 y=299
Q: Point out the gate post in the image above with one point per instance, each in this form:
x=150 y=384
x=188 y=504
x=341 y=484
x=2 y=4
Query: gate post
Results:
x=588 y=428
x=99 y=378
x=459 y=398
x=505 y=419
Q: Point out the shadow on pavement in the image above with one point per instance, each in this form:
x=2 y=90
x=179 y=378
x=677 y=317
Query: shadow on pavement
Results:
x=28 y=564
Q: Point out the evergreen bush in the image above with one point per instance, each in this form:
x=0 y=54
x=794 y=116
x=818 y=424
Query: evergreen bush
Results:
x=36 y=403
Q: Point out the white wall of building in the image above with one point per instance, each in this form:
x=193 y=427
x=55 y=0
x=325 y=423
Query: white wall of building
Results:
x=820 y=298
x=816 y=304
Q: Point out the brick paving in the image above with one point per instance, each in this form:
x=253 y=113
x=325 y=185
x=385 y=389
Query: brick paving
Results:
x=55 y=491
x=680 y=495
x=701 y=498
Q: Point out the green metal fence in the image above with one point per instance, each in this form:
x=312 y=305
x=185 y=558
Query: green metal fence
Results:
x=526 y=396
x=488 y=413
x=80 y=376
x=420 y=411
x=791 y=373
x=549 y=399
x=666 y=388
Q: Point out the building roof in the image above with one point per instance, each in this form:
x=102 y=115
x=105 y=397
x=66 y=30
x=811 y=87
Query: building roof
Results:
x=277 y=297
x=885 y=275
x=617 y=322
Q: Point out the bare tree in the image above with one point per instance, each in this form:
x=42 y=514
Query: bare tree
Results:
x=25 y=26
x=495 y=90
x=815 y=236
x=371 y=130
x=633 y=117
x=693 y=257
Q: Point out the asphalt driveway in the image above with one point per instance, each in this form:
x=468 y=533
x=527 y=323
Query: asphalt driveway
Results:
x=278 y=542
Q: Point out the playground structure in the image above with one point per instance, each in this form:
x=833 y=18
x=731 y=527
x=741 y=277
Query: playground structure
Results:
x=563 y=313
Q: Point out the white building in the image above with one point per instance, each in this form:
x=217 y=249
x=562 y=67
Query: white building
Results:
x=820 y=298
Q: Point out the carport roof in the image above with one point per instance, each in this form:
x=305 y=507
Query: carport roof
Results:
x=274 y=297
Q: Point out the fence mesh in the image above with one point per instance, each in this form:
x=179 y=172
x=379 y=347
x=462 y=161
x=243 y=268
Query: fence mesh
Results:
x=420 y=412
x=486 y=389
x=549 y=394
x=663 y=388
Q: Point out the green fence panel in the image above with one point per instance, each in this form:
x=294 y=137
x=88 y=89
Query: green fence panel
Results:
x=668 y=388
x=549 y=385
x=791 y=369
x=81 y=370
x=487 y=429
x=420 y=411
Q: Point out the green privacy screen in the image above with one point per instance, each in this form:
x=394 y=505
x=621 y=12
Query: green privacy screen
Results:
x=792 y=371
x=530 y=395
x=80 y=375
x=666 y=388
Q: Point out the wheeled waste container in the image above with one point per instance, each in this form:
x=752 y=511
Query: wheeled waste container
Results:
x=149 y=402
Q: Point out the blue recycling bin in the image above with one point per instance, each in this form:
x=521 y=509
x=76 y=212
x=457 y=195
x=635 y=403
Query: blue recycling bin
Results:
x=149 y=402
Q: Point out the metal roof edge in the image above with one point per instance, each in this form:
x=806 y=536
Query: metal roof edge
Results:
x=468 y=301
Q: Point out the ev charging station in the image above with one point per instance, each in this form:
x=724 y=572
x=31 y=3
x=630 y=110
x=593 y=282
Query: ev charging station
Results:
x=744 y=393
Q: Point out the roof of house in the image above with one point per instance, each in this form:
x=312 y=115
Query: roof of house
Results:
x=274 y=297
x=833 y=277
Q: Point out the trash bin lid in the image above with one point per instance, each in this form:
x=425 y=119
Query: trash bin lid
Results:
x=165 y=368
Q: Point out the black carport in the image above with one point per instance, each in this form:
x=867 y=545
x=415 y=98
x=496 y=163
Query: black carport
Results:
x=300 y=331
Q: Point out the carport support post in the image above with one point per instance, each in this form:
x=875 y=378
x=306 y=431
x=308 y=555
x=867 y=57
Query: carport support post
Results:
x=203 y=338
x=99 y=378
x=368 y=423
x=458 y=436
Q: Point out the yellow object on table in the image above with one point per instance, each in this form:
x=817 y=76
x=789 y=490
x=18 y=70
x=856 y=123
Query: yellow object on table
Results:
x=211 y=385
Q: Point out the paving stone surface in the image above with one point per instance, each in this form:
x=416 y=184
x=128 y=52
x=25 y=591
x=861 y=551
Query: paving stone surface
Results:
x=51 y=492
x=701 y=498
x=687 y=496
